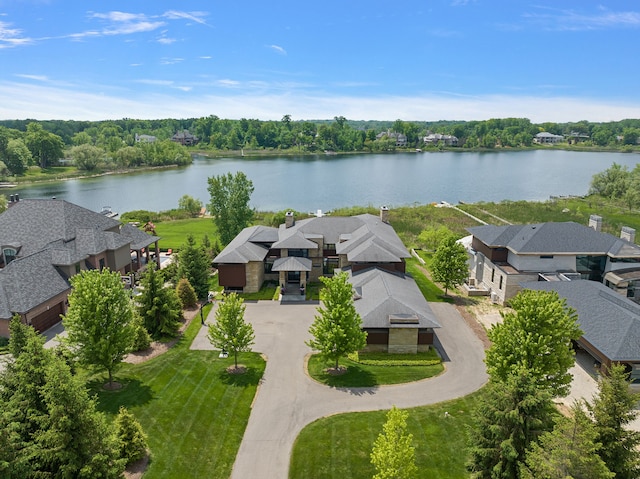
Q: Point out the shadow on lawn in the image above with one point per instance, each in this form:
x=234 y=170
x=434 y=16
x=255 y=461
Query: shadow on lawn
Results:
x=355 y=377
x=133 y=393
x=250 y=377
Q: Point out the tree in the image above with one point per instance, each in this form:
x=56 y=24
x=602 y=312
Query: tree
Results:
x=613 y=409
x=569 y=451
x=86 y=157
x=18 y=335
x=100 y=320
x=132 y=439
x=337 y=330
x=158 y=305
x=186 y=293
x=612 y=182
x=449 y=265
x=430 y=238
x=44 y=146
x=509 y=416
x=229 y=206
x=535 y=337
x=190 y=205
x=3 y=203
x=18 y=157
x=194 y=264
x=393 y=454
x=230 y=332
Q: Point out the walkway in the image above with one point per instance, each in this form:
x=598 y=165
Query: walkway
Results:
x=288 y=399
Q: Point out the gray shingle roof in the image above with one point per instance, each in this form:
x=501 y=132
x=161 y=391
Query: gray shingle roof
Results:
x=136 y=237
x=242 y=249
x=383 y=294
x=292 y=263
x=609 y=322
x=545 y=238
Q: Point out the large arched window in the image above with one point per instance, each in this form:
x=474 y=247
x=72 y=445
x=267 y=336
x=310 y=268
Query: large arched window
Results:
x=9 y=255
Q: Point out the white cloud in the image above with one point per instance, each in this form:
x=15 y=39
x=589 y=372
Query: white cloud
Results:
x=571 y=20
x=166 y=41
x=32 y=77
x=27 y=100
x=170 y=61
x=205 y=57
x=228 y=83
x=196 y=17
x=278 y=49
x=12 y=37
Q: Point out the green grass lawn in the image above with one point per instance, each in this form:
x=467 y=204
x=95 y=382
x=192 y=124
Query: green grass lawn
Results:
x=174 y=233
x=338 y=447
x=430 y=290
x=192 y=410
x=267 y=291
x=361 y=375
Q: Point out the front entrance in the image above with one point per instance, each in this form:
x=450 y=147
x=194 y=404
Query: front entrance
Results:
x=293 y=277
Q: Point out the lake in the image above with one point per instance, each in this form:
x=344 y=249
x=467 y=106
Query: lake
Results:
x=309 y=183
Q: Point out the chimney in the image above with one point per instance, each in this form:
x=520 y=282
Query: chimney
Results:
x=289 y=219
x=17 y=197
x=384 y=214
x=12 y=198
x=628 y=234
x=595 y=222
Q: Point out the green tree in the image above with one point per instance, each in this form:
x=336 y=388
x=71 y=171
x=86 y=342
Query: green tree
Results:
x=431 y=237
x=337 y=330
x=141 y=337
x=158 y=305
x=613 y=409
x=612 y=182
x=231 y=332
x=3 y=203
x=86 y=157
x=190 y=205
x=18 y=335
x=569 y=451
x=229 y=206
x=132 y=439
x=535 y=337
x=186 y=293
x=45 y=147
x=194 y=264
x=449 y=265
x=393 y=454
x=509 y=416
x=18 y=157
x=99 y=322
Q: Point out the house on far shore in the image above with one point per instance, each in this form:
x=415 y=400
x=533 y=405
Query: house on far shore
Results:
x=435 y=138
x=401 y=139
x=43 y=243
x=546 y=138
x=145 y=138
x=185 y=138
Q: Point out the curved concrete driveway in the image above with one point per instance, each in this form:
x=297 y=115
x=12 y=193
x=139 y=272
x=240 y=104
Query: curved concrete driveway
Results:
x=288 y=399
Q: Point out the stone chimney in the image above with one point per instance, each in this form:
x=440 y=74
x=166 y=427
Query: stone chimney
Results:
x=595 y=222
x=628 y=234
x=289 y=219
x=384 y=214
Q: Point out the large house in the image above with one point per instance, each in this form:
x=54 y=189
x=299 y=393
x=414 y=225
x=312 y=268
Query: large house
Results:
x=502 y=257
x=394 y=312
x=45 y=242
x=546 y=138
x=184 y=138
x=436 y=138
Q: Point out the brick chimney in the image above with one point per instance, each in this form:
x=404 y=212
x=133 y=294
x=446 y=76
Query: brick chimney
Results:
x=595 y=222
x=628 y=234
x=384 y=214
x=289 y=219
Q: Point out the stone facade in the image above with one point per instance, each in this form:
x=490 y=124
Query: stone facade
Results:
x=255 y=276
x=403 y=340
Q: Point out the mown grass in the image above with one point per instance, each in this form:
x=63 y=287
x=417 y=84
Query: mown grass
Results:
x=429 y=289
x=192 y=410
x=361 y=375
x=174 y=233
x=267 y=291
x=338 y=447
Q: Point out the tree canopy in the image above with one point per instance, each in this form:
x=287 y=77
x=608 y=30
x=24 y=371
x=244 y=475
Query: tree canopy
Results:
x=229 y=206
x=450 y=263
x=194 y=264
x=158 y=304
x=393 y=454
x=231 y=332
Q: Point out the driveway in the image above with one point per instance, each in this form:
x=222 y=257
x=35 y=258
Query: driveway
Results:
x=287 y=399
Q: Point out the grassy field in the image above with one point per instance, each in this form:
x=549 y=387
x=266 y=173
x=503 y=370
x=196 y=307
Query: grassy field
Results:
x=174 y=233
x=338 y=447
x=360 y=375
x=429 y=289
x=193 y=411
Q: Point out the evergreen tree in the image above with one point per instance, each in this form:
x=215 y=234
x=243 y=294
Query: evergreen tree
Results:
x=393 y=454
x=18 y=335
x=509 y=417
x=449 y=265
x=337 y=330
x=613 y=409
x=133 y=440
x=99 y=322
x=536 y=337
x=231 y=332
x=186 y=293
x=158 y=305
x=569 y=451
x=194 y=265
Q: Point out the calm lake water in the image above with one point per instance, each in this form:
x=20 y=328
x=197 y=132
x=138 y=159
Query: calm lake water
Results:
x=327 y=182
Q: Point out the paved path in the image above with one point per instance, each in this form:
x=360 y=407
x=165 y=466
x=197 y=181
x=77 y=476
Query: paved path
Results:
x=288 y=399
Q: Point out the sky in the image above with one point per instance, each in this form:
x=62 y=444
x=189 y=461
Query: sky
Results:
x=415 y=60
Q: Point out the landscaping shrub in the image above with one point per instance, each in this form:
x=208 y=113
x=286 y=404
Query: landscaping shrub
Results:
x=186 y=293
x=142 y=340
x=133 y=440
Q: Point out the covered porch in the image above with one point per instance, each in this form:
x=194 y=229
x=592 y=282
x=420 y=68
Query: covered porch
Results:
x=293 y=274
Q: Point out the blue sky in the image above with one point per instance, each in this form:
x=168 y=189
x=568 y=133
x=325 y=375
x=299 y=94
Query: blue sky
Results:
x=365 y=60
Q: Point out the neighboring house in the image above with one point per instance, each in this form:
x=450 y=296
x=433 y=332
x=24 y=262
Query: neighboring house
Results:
x=45 y=242
x=145 y=138
x=502 y=257
x=394 y=313
x=546 y=138
x=184 y=138
x=577 y=137
x=401 y=139
x=435 y=138
x=610 y=324
x=302 y=251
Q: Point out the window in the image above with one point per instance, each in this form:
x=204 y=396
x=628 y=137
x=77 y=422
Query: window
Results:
x=546 y=256
x=101 y=264
x=501 y=277
x=329 y=265
x=493 y=274
x=299 y=253
x=268 y=265
x=77 y=268
x=9 y=255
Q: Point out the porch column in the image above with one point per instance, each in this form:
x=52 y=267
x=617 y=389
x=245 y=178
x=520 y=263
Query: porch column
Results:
x=157 y=254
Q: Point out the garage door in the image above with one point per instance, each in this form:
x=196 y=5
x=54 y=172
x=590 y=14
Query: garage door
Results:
x=45 y=320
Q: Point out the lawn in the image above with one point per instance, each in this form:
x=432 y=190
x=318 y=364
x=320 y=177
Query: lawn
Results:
x=193 y=411
x=174 y=233
x=430 y=290
x=338 y=447
x=361 y=375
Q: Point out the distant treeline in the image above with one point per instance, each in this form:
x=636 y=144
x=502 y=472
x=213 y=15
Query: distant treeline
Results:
x=107 y=138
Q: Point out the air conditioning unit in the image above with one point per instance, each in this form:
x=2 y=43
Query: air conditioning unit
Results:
x=494 y=297
x=472 y=282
